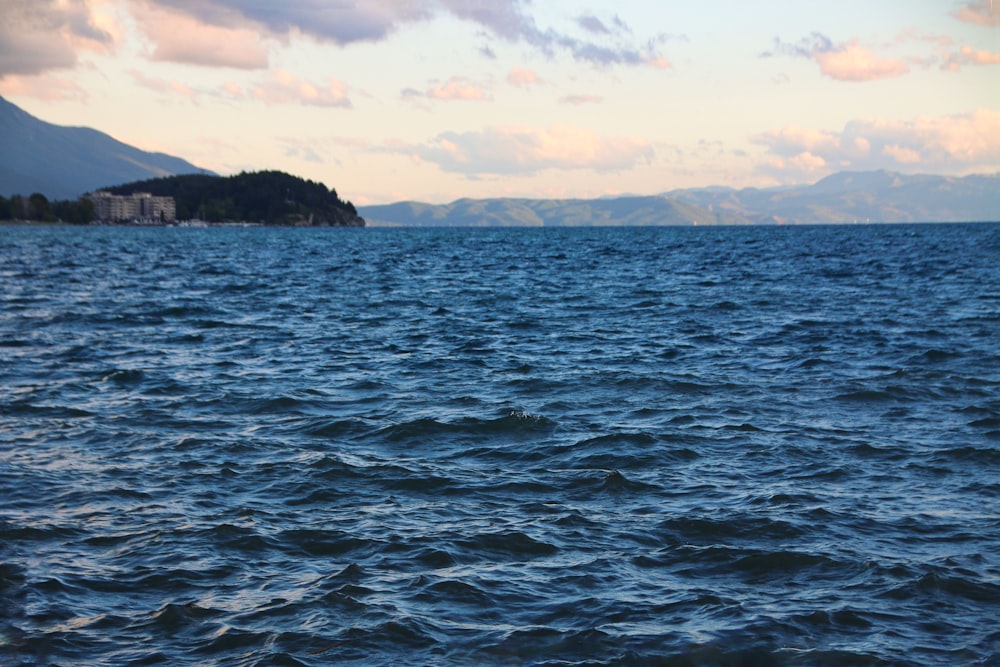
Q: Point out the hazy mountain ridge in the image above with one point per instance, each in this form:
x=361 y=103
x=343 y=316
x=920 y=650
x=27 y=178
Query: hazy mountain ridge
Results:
x=634 y=211
x=878 y=196
x=64 y=162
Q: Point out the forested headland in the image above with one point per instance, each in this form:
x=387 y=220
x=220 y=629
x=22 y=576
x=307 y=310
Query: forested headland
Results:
x=264 y=197
x=268 y=197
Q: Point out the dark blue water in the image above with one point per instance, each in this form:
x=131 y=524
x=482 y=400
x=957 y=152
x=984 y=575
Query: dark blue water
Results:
x=737 y=446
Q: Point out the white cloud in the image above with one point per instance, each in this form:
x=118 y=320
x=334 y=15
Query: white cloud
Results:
x=172 y=87
x=853 y=62
x=527 y=150
x=182 y=38
x=961 y=143
x=792 y=140
x=901 y=154
x=459 y=88
x=845 y=61
x=283 y=87
x=979 y=12
x=523 y=77
x=48 y=87
x=455 y=89
x=969 y=56
x=807 y=162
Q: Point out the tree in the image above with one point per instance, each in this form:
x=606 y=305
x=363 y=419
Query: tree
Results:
x=78 y=212
x=18 y=208
x=39 y=208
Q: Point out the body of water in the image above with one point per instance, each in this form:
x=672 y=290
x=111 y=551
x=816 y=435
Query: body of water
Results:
x=697 y=446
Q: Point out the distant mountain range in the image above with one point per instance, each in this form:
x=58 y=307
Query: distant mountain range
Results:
x=878 y=196
x=64 y=162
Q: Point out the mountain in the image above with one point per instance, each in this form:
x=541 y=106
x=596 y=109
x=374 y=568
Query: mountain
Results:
x=633 y=211
x=64 y=162
x=879 y=196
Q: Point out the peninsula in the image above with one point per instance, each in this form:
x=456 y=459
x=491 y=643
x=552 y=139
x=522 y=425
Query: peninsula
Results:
x=263 y=197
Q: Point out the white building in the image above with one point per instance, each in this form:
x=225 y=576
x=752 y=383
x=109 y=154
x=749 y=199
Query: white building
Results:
x=137 y=206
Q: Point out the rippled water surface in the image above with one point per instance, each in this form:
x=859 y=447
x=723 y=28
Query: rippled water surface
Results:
x=737 y=446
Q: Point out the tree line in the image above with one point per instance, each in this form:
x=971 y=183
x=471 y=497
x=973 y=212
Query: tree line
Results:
x=38 y=208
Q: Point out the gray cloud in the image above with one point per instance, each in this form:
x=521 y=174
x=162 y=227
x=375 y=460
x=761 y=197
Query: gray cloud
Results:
x=593 y=24
x=345 y=23
x=804 y=48
x=578 y=100
x=41 y=35
x=340 y=22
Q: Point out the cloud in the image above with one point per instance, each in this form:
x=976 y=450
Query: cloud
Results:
x=459 y=88
x=979 y=12
x=522 y=77
x=962 y=143
x=950 y=59
x=41 y=35
x=526 y=150
x=793 y=140
x=283 y=87
x=901 y=154
x=578 y=100
x=162 y=85
x=232 y=90
x=593 y=24
x=44 y=87
x=911 y=34
x=853 y=62
x=349 y=22
x=846 y=61
x=969 y=56
x=182 y=38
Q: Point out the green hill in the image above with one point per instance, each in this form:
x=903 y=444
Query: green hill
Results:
x=269 y=197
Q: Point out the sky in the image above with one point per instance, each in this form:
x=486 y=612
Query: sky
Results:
x=436 y=100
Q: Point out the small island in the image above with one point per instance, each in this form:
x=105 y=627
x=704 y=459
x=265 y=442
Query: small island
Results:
x=270 y=198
